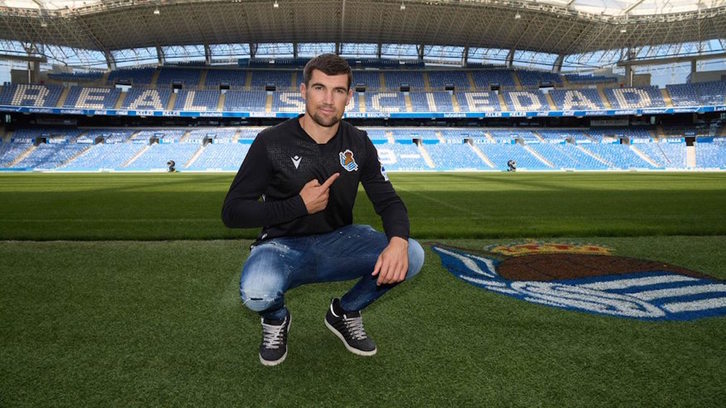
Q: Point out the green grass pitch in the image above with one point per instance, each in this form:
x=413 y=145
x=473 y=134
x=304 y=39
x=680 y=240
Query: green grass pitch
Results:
x=121 y=290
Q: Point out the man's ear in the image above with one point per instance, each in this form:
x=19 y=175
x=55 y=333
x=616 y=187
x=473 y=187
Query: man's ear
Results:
x=303 y=89
x=350 y=96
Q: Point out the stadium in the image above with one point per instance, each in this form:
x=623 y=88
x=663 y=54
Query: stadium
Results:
x=538 y=145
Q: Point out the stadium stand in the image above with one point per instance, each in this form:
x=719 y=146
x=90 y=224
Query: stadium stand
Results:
x=197 y=100
x=385 y=102
x=431 y=102
x=577 y=99
x=371 y=80
x=147 y=99
x=440 y=79
x=158 y=154
x=535 y=79
x=711 y=153
x=629 y=98
x=92 y=98
x=133 y=76
x=483 y=101
x=220 y=157
x=187 y=77
x=698 y=94
x=618 y=156
x=50 y=155
x=235 y=78
x=9 y=153
x=281 y=79
x=401 y=157
x=526 y=101
x=395 y=79
x=485 y=79
x=253 y=101
x=104 y=157
x=31 y=95
x=454 y=156
x=501 y=153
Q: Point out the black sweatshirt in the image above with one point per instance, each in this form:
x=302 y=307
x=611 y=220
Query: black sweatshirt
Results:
x=283 y=158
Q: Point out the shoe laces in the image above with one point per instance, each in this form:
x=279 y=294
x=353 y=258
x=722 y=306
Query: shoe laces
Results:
x=273 y=335
x=354 y=326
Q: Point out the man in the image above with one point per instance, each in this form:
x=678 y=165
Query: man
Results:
x=299 y=182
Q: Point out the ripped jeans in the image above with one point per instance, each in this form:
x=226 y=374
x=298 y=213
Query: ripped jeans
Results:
x=350 y=252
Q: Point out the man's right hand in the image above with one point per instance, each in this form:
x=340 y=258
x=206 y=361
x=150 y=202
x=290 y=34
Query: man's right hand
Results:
x=315 y=195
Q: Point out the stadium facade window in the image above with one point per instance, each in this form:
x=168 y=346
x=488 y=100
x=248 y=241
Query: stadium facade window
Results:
x=536 y=60
x=183 y=53
x=591 y=60
x=443 y=54
x=76 y=57
x=12 y=47
x=358 y=50
x=399 y=51
x=484 y=56
x=274 y=50
x=229 y=53
x=135 y=56
x=309 y=50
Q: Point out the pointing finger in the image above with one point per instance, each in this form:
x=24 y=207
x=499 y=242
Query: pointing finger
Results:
x=330 y=180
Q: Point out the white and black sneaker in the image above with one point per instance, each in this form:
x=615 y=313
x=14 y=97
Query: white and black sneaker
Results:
x=273 y=349
x=348 y=326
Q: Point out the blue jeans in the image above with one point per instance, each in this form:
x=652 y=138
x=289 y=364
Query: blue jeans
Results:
x=351 y=252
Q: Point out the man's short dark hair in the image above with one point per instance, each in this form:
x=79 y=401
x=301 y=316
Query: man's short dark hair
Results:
x=329 y=64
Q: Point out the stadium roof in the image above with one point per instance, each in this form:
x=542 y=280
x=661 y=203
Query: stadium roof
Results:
x=559 y=27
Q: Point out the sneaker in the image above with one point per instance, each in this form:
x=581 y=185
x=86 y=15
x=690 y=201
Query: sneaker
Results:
x=348 y=326
x=273 y=349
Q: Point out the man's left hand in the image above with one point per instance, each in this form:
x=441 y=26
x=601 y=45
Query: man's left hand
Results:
x=392 y=264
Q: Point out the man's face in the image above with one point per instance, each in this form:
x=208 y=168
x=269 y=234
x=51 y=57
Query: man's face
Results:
x=325 y=97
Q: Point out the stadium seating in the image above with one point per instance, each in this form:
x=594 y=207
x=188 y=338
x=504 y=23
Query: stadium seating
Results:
x=9 y=152
x=104 y=156
x=31 y=95
x=221 y=157
x=197 y=100
x=711 y=155
x=50 y=155
x=236 y=101
x=158 y=154
x=577 y=99
x=630 y=98
x=526 y=101
x=454 y=156
x=281 y=79
x=698 y=94
x=535 y=79
x=187 y=77
x=618 y=156
x=235 y=78
x=567 y=156
x=136 y=76
x=395 y=79
x=431 y=102
x=401 y=157
x=385 y=102
x=438 y=80
x=92 y=98
x=481 y=101
x=501 y=153
x=147 y=99
x=371 y=80
x=486 y=78
x=664 y=154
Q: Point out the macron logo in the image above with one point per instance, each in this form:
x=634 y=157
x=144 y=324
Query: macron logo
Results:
x=296 y=161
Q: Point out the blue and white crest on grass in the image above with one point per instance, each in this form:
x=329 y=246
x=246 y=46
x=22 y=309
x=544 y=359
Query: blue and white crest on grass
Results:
x=655 y=295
